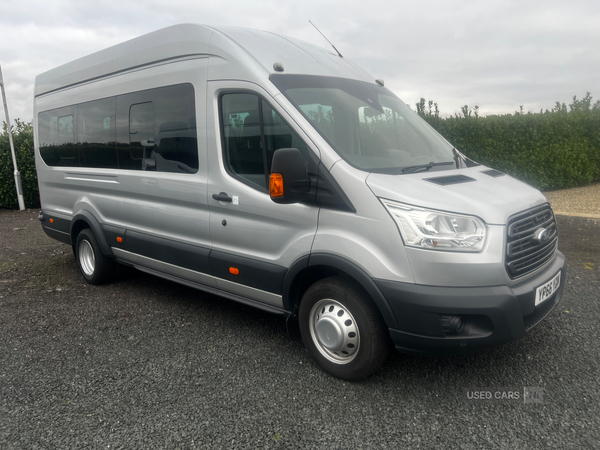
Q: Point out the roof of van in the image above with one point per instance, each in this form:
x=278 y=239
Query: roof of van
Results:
x=257 y=51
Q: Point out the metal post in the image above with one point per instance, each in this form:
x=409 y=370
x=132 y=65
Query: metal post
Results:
x=12 y=148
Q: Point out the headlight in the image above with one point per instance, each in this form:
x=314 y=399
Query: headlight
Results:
x=437 y=230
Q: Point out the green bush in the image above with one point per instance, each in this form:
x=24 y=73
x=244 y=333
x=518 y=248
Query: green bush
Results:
x=23 y=140
x=551 y=149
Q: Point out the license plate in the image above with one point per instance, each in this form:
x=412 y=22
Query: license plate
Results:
x=545 y=291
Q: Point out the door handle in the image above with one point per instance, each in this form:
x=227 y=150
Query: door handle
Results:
x=222 y=197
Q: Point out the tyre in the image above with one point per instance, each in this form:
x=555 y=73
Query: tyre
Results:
x=94 y=266
x=341 y=329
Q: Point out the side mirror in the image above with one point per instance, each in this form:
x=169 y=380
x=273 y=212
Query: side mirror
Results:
x=289 y=180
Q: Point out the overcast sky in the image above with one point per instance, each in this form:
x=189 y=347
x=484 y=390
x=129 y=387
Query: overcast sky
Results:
x=498 y=54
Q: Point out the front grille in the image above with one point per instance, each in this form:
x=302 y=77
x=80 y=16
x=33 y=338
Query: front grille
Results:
x=525 y=253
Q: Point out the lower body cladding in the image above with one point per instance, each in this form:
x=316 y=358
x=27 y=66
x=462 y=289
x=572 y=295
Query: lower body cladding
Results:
x=440 y=320
x=245 y=294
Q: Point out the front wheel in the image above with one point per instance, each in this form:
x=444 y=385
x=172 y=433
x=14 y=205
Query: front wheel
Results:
x=94 y=266
x=341 y=330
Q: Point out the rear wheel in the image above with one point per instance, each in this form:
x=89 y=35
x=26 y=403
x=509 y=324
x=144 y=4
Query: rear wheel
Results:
x=94 y=266
x=341 y=330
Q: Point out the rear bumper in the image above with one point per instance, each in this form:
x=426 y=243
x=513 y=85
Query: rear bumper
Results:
x=492 y=315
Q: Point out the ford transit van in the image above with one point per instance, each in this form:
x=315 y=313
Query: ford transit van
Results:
x=281 y=175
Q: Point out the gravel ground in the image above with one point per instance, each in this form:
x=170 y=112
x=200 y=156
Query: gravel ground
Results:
x=145 y=363
x=581 y=200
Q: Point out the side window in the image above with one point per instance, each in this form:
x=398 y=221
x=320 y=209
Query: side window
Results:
x=66 y=138
x=252 y=131
x=66 y=135
x=160 y=128
x=242 y=137
x=57 y=137
x=279 y=135
x=48 y=137
x=141 y=130
x=158 y=125
x=176 y=142
x=96 y=133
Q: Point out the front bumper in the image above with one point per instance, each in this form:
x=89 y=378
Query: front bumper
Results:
x=492 y=315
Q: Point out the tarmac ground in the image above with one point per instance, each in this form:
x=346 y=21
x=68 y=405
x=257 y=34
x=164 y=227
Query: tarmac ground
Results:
x=146 y=363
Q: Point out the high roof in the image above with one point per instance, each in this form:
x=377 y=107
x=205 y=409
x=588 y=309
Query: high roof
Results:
x=254 y=51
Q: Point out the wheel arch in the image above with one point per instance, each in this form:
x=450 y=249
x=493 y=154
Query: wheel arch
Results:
x=84 y=219
x=310 y=269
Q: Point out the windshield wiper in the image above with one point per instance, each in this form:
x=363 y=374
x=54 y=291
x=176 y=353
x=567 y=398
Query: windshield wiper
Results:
x=413 y=169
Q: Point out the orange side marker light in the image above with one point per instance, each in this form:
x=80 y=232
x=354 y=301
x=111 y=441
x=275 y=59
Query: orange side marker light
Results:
x=119 y=239
x=276 y=185
x=51 y=220
x=234 y=270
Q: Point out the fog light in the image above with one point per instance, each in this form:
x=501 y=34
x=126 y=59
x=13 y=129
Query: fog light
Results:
x=452 y=325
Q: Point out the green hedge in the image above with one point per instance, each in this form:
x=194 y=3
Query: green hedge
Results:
x=555 y=148
x=23 y=140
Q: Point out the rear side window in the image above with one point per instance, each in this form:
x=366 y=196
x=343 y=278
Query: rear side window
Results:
x=251 y=132
x=141 y=130
x=66 y=137
x=96 y=134
x=57 y=135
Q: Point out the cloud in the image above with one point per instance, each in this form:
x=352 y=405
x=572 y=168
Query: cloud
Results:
x=497 y=54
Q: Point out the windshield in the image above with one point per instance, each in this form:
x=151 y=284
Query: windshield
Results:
x=366 y=124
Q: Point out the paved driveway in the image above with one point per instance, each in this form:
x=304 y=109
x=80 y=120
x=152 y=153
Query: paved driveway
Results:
x=146 y=363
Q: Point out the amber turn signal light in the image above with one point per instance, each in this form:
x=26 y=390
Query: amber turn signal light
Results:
x=119 y=239
x=51 y=220
x=234 y=270
x=276 y=185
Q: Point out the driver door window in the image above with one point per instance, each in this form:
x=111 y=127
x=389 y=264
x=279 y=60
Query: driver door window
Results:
x=252 y=131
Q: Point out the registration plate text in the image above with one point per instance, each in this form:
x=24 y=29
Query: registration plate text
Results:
x=545 y=291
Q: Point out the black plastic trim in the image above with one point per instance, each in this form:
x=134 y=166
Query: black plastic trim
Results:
x=112 y=233
x=257 y=274
x=202 y=287
x=58 y=235
x=330 y=194
x=59 y=229
x=189 y=256
x=297 y=267
x=494 y=314
x=59 y=224
x=360 y=276
x=94 y=224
